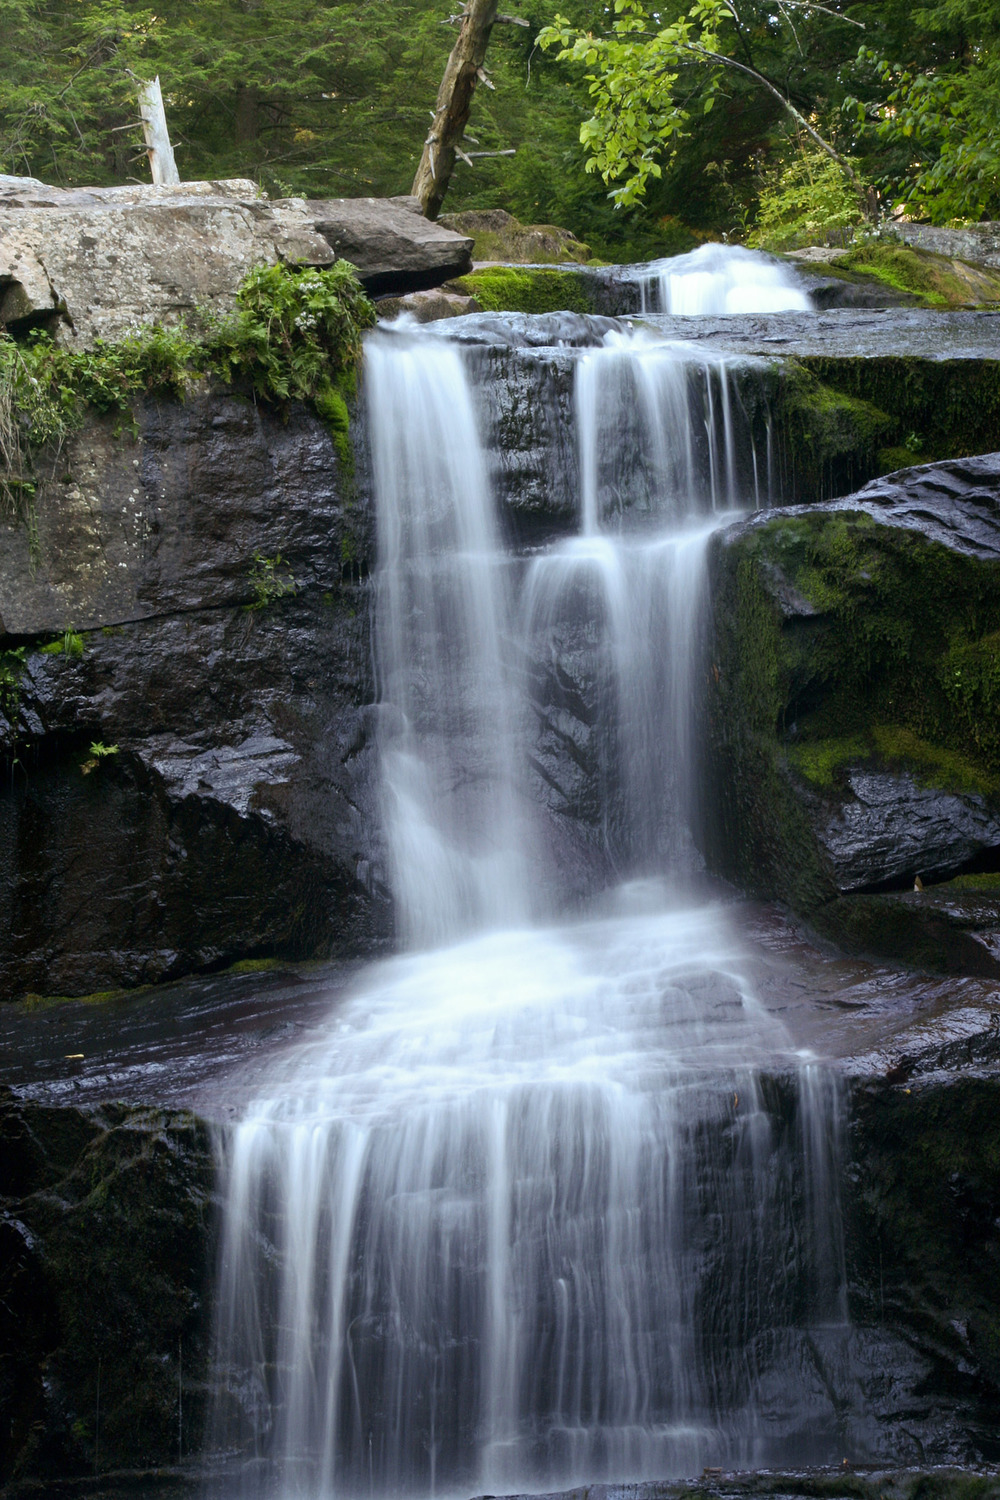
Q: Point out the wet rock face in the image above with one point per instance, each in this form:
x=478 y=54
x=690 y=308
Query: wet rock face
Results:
x=890 y=829
x=853 y=720
x=922 y=1212
x=105 y=1266
x=203 y=592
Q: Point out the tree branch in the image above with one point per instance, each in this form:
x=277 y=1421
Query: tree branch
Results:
x=800 y=119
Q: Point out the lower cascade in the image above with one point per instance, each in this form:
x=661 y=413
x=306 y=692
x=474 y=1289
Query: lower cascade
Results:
x=551 y=1198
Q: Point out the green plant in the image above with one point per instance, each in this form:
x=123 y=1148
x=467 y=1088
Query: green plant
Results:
x=804 y=200
x=98 y=753
x=70 y=643
x=268 y=582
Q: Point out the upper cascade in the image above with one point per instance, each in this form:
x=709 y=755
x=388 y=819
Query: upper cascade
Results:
x=717 y=280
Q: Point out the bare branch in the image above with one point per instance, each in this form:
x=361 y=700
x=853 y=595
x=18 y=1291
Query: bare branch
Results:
x=814 y=5
x=730 y=62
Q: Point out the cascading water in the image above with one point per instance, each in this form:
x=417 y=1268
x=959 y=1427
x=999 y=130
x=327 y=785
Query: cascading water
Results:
x=457 y=831
x=549 y=1204
x=719 y=280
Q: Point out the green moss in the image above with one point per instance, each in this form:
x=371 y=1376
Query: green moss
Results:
x=933 y=408
x=934 y=765
x=936 y=280
x=70 y=643
x=988 y=884
x=32 y=1002
x=819 y=762
x=511 y=289
x=828 y=438
x=255 y=965
x=897 y=747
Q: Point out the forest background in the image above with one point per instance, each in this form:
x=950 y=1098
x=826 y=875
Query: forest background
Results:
x=334 y=100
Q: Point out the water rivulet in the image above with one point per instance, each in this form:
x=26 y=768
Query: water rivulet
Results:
x=551 y=1198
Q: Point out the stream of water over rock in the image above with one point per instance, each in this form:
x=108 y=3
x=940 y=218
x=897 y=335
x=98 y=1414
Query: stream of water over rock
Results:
x=552 y=1199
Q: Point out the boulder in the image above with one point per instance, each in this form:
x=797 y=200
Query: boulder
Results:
x=853 y=723
x=394 y=248
x=92 y=263
x=428 y=306
x=501 y=238
x=978 y=243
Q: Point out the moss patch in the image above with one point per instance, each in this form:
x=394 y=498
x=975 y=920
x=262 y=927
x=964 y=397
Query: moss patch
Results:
x=828 y=438
x=511 y=289
x=898 y=748
x=935 y=408
x=935 y=279
x=256 y=965
x=497 y=235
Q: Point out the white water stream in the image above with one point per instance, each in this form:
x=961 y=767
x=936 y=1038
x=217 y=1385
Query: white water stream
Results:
x=545 y=1204
x=720 y=280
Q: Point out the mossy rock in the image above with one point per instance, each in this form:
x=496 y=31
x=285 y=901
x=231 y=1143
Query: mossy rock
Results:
x=828 y=440
x=527 y=289
x=934 y=408
x=844 y=645
x=933 y=280
x=498 y=236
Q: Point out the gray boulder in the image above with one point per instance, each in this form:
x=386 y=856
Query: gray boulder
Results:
x=93 y=263
x=394 y=248
x=978 y=243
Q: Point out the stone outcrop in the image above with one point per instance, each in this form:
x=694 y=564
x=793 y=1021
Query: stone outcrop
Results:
x=853 y=720
x=394 y=248
x=199 y=600
x=978 y=243
x=93 y=262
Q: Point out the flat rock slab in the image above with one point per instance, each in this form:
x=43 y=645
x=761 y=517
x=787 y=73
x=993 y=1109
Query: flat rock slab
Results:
x=841 y=333
x=92 y=263
x=209 y=1042
x=393 y=247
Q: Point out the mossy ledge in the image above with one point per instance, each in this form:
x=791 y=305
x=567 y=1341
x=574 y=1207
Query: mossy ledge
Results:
x=294 y=335
x=528 y=289
x=932 y=280
x=932 y=408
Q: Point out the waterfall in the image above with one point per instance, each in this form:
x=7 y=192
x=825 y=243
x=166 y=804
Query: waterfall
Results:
x=720 y=280
x=541 y=1204
x=456 y=828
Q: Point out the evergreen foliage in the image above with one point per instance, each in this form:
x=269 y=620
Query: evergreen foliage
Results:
x=329 y=99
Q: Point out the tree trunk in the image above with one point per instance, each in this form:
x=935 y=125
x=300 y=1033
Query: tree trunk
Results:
x=247 y=121
x=154 y=126
x=454 y=101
